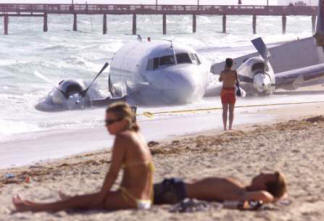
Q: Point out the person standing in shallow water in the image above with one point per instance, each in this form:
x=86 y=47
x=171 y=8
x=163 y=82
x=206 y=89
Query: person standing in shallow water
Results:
x=130 y=154
x=229 y=79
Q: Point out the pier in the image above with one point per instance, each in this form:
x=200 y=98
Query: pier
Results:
x=44 y=10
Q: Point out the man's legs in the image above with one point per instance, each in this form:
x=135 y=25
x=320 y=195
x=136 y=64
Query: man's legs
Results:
x=225 y=109
x=231 y=115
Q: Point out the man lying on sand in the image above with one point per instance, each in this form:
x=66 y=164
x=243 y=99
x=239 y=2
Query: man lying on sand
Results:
x=130 y=153
x=265 y=187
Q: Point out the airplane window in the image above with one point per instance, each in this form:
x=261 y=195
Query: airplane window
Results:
x=155 y=63
x=183 y=58
x=166 y=60
x=149 y=64
x=195 y=59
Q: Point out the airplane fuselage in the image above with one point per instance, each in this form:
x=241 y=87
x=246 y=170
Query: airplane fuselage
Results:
x=158 y=72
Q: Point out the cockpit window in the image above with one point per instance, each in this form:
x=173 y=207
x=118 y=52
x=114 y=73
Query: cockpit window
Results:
x=155 y=63
x=183 y=58
x=195 y=59
x=166 y=60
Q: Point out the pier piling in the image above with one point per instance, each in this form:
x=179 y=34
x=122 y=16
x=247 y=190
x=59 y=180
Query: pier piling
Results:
x=75 y=22
x=164 y=24
x=284 y=24
x=224 y=23
x=134 y=24
x=5 y=23
x=254 y=18
x=194 y=23
x=104 y=24
x=45 y=26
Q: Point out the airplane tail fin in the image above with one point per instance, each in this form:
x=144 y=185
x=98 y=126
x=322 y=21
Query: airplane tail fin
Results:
x=319 y=34
x=261 y=48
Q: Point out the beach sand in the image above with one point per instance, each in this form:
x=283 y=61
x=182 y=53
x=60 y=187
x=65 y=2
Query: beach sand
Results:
x=293 y=144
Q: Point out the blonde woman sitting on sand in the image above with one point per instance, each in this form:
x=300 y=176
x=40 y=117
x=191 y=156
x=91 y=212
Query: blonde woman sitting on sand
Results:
x=129 y=153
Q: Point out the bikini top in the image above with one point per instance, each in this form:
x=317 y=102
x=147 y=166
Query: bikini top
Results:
x=149 y=165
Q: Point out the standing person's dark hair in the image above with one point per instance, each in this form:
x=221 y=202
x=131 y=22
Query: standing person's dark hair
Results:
x=229 y=62
x=229 y=79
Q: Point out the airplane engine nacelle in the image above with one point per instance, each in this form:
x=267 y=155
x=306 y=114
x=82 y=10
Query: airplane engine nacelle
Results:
x=118 y=89
x=262 y=82
x=259 y=74
x=69 y=94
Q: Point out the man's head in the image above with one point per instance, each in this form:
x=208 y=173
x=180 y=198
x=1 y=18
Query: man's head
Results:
x=274 y=183
x=228 y=62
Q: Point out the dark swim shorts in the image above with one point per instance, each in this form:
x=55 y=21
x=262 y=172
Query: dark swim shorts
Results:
x=169 y=191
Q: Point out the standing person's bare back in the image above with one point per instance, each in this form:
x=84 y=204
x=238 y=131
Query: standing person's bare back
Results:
x=228 y=77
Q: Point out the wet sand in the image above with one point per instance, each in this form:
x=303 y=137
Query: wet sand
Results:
x=293 y=144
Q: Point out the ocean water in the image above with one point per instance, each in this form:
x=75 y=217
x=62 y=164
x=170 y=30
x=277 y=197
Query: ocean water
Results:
x=33 y=62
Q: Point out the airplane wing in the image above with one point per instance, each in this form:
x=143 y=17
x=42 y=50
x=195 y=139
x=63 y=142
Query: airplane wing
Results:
x=287 y=56
x=297 y=77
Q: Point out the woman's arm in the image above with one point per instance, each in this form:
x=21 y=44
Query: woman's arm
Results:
x=118 y=154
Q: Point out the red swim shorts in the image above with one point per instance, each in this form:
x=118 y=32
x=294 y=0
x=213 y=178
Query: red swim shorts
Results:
x=228 y=96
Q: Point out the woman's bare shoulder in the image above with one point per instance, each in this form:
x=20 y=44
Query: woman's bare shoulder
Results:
x=124 y=134
x=127 y=136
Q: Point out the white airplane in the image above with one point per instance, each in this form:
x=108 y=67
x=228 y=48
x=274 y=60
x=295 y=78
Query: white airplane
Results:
x=143 y=73
x=162 y=72
x=158 y=73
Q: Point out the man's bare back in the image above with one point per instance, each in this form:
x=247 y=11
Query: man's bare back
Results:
x=221 y=189
x=215 y=188
x=228 y=77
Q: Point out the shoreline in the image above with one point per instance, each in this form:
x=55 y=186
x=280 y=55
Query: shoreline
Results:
x=84 y=141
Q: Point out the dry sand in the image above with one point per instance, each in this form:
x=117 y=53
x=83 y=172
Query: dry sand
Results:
x=293 y=144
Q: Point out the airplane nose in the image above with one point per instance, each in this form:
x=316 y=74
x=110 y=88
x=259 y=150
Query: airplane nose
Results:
x=183 y=85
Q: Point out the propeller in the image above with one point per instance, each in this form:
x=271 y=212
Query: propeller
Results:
x=261 y=48
x=83 y=93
